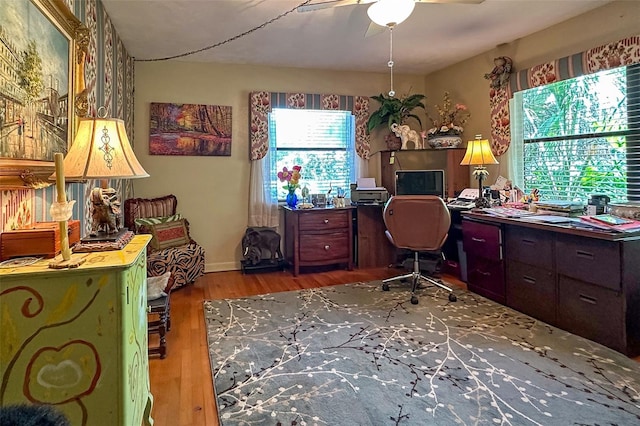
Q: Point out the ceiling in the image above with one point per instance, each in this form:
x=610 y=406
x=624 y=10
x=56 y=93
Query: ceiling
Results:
x=433 y=37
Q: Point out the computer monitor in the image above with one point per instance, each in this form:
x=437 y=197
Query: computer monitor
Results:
x=420 y=182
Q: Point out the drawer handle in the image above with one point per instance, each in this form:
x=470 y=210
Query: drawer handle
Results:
x=588 y=299
x=585 y=254
x=486 y=274
x=529 y=242
x=478 y=240
x=326 y=221
x=326 y=247
x=528 y=279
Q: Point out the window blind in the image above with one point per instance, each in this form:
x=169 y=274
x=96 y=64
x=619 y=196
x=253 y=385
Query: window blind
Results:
x=581 y=136
x=322 y=142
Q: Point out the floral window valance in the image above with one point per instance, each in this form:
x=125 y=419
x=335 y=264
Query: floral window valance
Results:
x=261 y=104
x=608 y=56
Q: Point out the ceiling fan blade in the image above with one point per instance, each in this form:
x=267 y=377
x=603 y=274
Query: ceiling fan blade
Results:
x=374 y=29
x=326 y=4
x=451 y=1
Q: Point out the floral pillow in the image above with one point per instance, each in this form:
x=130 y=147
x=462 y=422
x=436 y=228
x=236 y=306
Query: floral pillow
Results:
x=169 y=234
x=156 y=286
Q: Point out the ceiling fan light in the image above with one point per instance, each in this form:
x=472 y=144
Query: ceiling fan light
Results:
x=389 y=13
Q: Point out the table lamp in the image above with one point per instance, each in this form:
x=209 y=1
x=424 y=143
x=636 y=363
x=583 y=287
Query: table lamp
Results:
x=478 y=154
x=101 y=150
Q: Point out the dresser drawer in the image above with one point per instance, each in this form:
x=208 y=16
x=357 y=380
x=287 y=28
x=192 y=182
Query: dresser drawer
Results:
x=324 y=247
x=483 y=240
x=324 y=220
x=529 y=246
x=531 y=290
x=486 y=277
x=592 y=312
x=588 y=259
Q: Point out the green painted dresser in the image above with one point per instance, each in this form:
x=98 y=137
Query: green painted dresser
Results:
x=77 y=338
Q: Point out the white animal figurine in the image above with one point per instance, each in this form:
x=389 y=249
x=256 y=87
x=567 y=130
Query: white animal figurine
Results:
x=407 y=135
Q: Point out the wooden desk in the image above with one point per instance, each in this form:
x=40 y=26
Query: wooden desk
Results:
x=77 y=338
x=582 y=281
x=373 y=247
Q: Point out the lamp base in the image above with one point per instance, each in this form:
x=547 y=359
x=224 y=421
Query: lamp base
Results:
x=102 y=236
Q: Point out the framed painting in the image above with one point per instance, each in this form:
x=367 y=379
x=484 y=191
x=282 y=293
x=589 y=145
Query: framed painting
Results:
x=44 y=47
x=189 y=129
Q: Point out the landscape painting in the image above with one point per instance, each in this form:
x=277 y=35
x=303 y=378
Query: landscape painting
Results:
x=189 y=129
x=34 y=103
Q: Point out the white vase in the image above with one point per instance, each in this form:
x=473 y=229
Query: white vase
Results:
x=444 y=141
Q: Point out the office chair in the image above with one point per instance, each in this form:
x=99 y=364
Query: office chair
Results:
x=418 y=223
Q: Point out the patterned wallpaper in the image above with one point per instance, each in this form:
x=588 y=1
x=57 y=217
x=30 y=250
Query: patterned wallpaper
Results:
x=109 y=80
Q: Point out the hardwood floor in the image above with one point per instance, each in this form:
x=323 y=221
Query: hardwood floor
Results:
x=181 y=383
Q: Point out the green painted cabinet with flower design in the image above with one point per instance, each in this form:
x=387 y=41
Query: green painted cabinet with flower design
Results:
x=77 y=338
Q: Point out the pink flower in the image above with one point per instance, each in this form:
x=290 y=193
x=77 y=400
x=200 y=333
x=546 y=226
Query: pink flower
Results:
x=461 y=107
x=284 y=175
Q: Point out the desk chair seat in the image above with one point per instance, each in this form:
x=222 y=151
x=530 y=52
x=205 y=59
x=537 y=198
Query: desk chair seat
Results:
x=419 y=223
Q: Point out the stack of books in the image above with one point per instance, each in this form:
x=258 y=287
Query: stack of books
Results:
x=560 y=208
x=612 y=223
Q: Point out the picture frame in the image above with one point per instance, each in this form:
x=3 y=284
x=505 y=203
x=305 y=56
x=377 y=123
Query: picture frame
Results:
x=39 y=118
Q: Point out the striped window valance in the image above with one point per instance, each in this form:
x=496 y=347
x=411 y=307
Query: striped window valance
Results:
x=611 y=55
x=261 y=104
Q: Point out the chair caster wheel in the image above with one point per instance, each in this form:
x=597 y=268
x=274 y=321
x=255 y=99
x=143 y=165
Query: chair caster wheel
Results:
x=385 y=287
x=452 y=297
x=414 y=300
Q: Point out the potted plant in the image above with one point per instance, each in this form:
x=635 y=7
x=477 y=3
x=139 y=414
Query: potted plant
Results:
x=447 y=124
x=394 y=110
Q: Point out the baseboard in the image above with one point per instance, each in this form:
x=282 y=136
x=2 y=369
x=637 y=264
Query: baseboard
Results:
x=221 y=267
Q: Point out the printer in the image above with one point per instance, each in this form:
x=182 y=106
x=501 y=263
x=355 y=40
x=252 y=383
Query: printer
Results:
x=366 y=192
x=369 y=196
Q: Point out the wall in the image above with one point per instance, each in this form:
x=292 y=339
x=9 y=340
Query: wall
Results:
x=466 y=82
x=213 y=192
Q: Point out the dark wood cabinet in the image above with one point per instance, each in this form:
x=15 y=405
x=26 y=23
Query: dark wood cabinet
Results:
x=585 y=282
x=482 y=243
x=456 y=176
x=318 y=237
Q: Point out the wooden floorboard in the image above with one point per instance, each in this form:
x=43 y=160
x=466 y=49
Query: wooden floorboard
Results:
x=181 y=383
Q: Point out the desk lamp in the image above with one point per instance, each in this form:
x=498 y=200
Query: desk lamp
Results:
x=478 y=154
x=101 y=150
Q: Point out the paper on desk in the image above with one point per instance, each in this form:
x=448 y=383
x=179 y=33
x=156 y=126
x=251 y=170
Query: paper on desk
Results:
x=368 y=183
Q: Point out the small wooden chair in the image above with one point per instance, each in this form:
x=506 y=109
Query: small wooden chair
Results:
x=159 y=319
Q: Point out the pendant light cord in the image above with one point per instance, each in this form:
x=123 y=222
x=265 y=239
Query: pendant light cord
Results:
x=392 y=92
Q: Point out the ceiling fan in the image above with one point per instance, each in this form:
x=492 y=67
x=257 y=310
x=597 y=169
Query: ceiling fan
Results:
x=377 y=14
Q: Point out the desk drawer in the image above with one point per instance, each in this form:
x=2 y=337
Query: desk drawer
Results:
x=588 y=259
x=486 y=277
x=320 y=221
x=324 y=247
x=530 y=246
x=592 y=312
x=483 y=240
x=532 y=290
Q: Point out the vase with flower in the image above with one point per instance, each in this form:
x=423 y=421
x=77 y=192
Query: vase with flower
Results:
x=447 y=124
x=292 y=179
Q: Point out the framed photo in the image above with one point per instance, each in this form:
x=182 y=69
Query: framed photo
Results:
x=189 y=129
x=45 y=47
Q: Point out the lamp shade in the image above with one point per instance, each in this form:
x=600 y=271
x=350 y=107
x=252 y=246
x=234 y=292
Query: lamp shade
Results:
x=478 y=153
x=389 y=13
x=101 y=150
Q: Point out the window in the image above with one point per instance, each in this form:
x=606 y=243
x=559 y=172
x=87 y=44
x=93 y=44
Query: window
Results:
x=581 y=136
x=321 y=142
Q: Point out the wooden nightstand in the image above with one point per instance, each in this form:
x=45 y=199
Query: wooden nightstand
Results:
x=318 y=237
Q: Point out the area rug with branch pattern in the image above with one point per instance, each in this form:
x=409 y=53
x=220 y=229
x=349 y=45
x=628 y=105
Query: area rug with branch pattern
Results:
x=356 y=355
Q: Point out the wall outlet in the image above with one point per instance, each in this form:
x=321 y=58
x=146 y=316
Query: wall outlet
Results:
x=392 y=159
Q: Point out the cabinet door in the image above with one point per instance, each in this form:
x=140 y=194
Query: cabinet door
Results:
x=483 y=240
x=530 y=246
x=531 y=290
x=589 y=259
x=325 y=247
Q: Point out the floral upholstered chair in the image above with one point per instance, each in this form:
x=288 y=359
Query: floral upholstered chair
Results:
x=171 y=248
